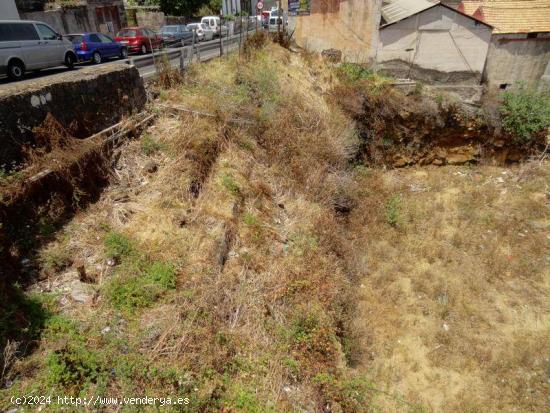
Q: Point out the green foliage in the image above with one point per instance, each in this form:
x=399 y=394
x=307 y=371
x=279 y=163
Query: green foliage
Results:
x=23 y=316
x=55 y=259
x=118 y=245
x=305 y=327
x=393 y=211
x=245 y=401
x=73 y=365
x=140 y=284
x=250 y=219
x=182 y=8
x=353 y=72
x=230 y=184
x=149 y=146
x=352 y=393
x=525 y=113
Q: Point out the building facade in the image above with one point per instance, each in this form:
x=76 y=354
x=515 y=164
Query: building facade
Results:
x=436 y=44
x=520 y=44
x=350 y=26
x=106 y=16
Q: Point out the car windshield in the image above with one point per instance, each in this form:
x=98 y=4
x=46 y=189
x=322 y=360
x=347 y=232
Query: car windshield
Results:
x=75 y=38
x=127 y=33
x=169 y=29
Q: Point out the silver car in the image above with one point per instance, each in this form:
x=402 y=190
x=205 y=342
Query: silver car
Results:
x=30 y=45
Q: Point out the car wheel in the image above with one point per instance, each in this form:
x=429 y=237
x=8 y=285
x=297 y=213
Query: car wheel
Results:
x=96 y=58
x=143 y=49
x=16 y=70
x=123 y=53
x=70 y=60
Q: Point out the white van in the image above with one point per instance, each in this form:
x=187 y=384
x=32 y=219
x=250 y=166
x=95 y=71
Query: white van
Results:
x=214 y=23
x=30 y=45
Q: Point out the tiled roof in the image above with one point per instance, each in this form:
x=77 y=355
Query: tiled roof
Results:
x=469 y=7
x=511 y=16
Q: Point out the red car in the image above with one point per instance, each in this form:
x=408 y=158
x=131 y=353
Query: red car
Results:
x=139 y=39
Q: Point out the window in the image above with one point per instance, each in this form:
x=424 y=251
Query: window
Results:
x=127 y=33
x=46 y=33
x=17 y=31
x=105 y=39
x=94 y=38
x=75 y=38
x=532 y=35
x=24 y=32
x=503 y=86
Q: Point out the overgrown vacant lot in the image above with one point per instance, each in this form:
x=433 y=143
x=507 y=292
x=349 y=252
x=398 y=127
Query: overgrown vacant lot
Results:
x=454 y=308
x=252 y=262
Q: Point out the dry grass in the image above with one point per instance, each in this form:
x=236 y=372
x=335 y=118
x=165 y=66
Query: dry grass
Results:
x=245 y=216
x=246 y=266
x=455 y=303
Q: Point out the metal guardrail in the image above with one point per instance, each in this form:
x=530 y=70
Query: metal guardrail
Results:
x=183 y=54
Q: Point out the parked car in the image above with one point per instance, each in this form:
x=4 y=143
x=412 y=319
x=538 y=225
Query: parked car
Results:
x=176 y=33
x=214 y=23
x=276 y=24
x=139 y=39
x=96 y=47
x=32 y=45
x=204 y=33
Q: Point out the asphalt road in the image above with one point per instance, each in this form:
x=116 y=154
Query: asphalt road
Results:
x=209 y=50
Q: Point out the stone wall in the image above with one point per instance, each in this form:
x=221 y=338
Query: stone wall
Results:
x=151 y=19
x=86 y=101
x=515 y=57
x=64 y=21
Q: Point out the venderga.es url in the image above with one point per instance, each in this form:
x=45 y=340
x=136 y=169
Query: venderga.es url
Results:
x=99 y=401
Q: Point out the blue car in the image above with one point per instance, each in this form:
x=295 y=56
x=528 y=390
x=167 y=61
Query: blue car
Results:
x=96 y=47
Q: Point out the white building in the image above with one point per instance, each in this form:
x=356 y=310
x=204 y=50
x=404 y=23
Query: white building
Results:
x=432 y=42
x=8 y=10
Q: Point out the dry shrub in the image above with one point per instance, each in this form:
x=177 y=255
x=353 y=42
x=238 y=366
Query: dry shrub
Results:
x=168 y=76
x=51 y=135
x=255 y=42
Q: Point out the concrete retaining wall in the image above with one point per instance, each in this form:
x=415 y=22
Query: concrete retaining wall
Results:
x=86 y=101
x=64 y=21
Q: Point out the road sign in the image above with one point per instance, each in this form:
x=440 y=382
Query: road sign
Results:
x=260 y=5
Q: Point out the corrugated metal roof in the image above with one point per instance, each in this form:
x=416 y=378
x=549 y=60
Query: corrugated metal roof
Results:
x=396 y=10
x=511 y=16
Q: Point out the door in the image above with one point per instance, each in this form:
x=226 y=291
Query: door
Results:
x=95 y=44
x=108 y=45
x=52 y=48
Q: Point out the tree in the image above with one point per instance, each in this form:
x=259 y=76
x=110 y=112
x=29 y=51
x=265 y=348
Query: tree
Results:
x=181 y=7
